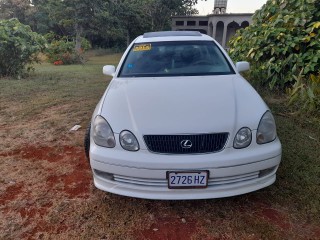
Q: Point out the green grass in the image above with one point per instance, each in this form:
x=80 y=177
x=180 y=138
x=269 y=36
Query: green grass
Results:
x=41 y=109
x=52 y=85
x=54 y=97
x=299 y=173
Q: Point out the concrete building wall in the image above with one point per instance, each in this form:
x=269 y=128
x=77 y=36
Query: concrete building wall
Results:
x=219 y=26
x=194 y=23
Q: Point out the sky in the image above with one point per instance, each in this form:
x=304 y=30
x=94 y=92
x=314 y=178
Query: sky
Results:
x=234 y=6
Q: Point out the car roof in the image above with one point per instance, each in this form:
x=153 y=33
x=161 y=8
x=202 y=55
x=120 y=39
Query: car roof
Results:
x=172 y=36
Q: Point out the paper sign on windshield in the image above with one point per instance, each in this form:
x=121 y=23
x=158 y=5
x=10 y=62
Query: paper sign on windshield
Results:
x=142 y=47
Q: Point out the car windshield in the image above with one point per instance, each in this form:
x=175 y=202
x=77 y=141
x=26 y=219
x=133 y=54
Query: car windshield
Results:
x=183 y=58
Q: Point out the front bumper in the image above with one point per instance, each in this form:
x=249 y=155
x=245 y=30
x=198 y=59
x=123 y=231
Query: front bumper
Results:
x=143 y=174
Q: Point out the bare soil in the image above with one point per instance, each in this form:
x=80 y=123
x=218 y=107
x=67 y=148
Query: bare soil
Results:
x=47 y=193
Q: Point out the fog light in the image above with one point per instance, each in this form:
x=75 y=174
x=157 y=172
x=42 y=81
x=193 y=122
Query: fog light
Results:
x=105 y=175
x=266 y=172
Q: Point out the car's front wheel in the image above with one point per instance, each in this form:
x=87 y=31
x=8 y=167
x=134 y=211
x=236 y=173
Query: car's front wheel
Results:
x=87 y=141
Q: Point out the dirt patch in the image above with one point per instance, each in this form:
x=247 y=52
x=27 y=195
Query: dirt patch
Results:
x=47 y=193
x=35 y=180
x=169 y=228
x=11 y=193
x=74 y=183
x=275 y=217
x=51 y=154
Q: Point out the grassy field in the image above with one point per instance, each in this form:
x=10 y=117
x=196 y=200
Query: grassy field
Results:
x=46 y=189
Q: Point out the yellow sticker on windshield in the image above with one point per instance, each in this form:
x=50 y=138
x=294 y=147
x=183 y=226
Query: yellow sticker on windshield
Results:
x=142 y=47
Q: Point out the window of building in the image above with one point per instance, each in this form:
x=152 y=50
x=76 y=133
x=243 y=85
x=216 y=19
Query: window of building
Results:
x=191 y=23
x=203 y=23
x=179 y=23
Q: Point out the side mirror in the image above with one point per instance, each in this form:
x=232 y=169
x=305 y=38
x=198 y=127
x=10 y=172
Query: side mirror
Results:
x=242 y=66
x=109 y=70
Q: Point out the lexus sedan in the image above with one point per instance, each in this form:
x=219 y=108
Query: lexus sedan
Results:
x=178 y=121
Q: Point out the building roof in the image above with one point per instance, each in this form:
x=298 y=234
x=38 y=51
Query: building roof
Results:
x=213 y=15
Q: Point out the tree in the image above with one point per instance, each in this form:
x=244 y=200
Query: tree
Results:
x=135 y=17
x=105 y=23
x=161 y=11
x=283 y=40
x=20 y=9
x=71 y=17
x=283 y=46
x=19 y=47
x=128 y=17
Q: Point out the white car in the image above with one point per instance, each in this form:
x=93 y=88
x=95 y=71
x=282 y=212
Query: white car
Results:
x=178 y=121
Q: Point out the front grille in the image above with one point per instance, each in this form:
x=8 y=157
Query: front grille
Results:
x=180 y=144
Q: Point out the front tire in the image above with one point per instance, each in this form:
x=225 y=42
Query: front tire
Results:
x=87 y=141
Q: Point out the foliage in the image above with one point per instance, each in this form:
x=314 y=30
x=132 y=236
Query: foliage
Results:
x=19 y=47
x=62 y=50
x=20 y=9
x=160 y=12
x=306 y=93
x=282 y=42
x=110 y=24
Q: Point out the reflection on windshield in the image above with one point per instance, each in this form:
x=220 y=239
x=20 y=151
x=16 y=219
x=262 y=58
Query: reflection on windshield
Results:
x=175 y=59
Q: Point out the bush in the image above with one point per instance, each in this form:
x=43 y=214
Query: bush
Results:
x=61 y=50
x=282 y=44
x=19 y=48
x=306 y=93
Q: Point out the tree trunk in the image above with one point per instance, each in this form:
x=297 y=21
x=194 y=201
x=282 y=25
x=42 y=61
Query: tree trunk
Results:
x=79 y=31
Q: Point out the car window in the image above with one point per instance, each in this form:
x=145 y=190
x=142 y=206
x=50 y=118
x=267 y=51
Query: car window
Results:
x=181 y=58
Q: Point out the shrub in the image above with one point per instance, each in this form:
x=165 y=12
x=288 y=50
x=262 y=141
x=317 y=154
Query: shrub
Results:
x=19 y=48
x=282 y=44
x=62 y=50
x=306 y=93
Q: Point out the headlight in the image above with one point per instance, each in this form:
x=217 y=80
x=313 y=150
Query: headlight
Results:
x=243 y=138
x=102 y=133
x=128 y=141
x=267 y=129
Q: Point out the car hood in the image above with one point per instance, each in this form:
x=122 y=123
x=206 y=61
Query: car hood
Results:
x=181 y=105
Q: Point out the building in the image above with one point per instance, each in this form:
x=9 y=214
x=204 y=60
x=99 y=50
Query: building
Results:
x=219 y=25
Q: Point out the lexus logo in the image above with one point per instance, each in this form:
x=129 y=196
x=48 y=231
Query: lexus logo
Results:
x=186 y=144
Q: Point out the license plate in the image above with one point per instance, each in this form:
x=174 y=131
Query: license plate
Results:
x=192 y=179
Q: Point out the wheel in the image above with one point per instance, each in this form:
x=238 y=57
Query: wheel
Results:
x=87 y=141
